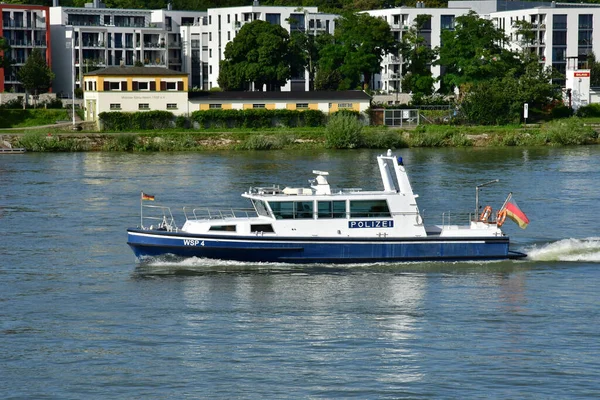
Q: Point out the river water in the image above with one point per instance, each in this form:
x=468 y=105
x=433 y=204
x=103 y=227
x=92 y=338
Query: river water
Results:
x=80 y=319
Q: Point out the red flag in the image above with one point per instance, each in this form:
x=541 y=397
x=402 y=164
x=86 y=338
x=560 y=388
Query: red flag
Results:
x=514 y=212
x=147 y=197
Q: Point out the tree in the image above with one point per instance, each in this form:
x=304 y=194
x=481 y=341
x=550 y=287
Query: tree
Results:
x=5 y=60
x=360 y=42
x=594 y=67
x=260 y=54
x=474 y=52
x=35 y=76
x=418 y=57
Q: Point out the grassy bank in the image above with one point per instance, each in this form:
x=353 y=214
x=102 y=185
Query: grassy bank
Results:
x=32 y=117
x=570 y=131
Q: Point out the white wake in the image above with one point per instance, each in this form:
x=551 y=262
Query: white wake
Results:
x=587 y=249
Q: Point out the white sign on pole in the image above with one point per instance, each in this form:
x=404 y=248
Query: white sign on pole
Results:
x=525 y=110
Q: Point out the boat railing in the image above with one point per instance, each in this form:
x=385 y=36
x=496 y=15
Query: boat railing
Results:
x=448 y=218
x=216 y=213
x=160 y=218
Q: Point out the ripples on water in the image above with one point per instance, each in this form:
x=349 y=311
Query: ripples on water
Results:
x=80 y=319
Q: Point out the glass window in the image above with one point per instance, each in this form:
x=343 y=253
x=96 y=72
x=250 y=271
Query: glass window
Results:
x=331 y=209
x=143 y=86
x=273 y=19
x=559 y=38
x=304 y=209
x=225 y=228
x=261 y=208
x=171 y=106
x=115 y=106
x=282 y=209
x=214 y=106
x=301 y=105
x=115 y=85
x=559 y=21
x=258 y=106
x=261 y=228
x=143 y=106
x=369 y=209
x=585 y=21
x=171 y=85
x=447 y=22
x=345 y=105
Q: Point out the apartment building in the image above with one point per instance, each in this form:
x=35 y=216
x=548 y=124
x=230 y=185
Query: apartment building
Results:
x=92 y=37
x=223 y=24
x=401 y=19
x=25 y=28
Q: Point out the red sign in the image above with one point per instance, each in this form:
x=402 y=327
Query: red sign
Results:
x=581 y=75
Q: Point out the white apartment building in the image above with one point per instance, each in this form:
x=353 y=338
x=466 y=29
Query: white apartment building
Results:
x=401 y=19
x=93 y=37
x=223 y=24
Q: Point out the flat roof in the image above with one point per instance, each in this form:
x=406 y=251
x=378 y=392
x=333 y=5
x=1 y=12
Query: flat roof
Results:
x=135 y=71
x=279 y=96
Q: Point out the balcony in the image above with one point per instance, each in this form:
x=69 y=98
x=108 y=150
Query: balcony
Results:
x=154 y=45
x=26 y=43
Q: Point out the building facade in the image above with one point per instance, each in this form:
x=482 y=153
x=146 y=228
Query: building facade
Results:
x=24 y=28
x=132 y=89
x=93 y=37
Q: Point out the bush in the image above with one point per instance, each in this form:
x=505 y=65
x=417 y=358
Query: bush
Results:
x=47 y=143
x=569 y=132
x=13 y=104
x=266 y=142
x=256 y=119
x=591 y=110
x=387 y=139
x=149 y=120
x=122 y=142
x=343 y=131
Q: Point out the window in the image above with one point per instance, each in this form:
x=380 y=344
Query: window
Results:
x=258 y=106
x=331 y=209
x=143 y=106
x=171 y=85
x=261 y=228
x=214 y=106
x=210 y=36
x=228 y=35
x=143 y=86
x=447 y=22
x=559 y=21
x=115 y=106
x=228 y=18
x=209 y=52
x=171 y=106
x=369 y=209
x=345 y=105
x=273 y=19
x=301 y=106
x=292 y=209
x=226 y=228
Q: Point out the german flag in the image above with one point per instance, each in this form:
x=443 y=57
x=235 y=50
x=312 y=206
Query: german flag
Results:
x=147 y=197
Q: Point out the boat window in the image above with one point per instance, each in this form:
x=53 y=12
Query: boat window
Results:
x=261 y=208
x=227 y=228
x=332 y=209
x=292 y=209
x=261 y=228
x=369 y=209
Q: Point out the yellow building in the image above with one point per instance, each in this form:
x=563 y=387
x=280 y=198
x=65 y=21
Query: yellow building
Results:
x=325 y=101
x=132 y=89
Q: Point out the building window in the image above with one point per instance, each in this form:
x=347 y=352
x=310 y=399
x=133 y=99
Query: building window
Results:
x=210 y=36
x=143 y=86
x=215 y=106
x=258 y=106
x=228 y=18
x=171 y=106
x=171 y=85
x=143 y=106
x=228 y=35
x=115 y=106
x=210 y=69
x=345 y=105
x=209 y=53
x=301 y=106
x=273 y=19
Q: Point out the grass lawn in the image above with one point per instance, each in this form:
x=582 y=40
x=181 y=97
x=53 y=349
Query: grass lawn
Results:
x=31 y=117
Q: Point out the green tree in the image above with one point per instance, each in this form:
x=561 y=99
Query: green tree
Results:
x=5 y=60
x=35 y=76
x=418 y=57
x=474 y=52
x=360 y=42
x=261 y=54
x=594 y=67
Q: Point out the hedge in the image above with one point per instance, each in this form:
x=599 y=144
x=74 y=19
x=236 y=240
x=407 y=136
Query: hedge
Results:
x=257 y=118
x=147 y=120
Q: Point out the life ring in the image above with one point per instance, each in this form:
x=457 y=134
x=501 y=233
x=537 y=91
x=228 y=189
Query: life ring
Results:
x=485 y=215
x=500 y=218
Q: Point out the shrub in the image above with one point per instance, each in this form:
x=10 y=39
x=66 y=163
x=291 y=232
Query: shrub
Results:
x=591 y=110
x=570 y=131
x=121 y=142
x=41 y=142
x=343 y=131
x=387 y=139
x=266 y=142
x=149 y=120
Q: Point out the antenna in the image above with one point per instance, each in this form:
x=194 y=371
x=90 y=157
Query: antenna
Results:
x=477 y=194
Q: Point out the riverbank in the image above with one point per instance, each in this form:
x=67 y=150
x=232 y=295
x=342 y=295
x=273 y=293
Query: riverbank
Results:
x=571 y=131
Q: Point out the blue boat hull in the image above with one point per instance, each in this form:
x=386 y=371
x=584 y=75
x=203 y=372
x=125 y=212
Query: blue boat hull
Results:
x=146 y=244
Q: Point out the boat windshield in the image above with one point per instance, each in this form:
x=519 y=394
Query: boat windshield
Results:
x=261 y=208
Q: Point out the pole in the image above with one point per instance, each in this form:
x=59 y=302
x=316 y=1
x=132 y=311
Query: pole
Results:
x=141 y=211
x=73 y=75
x=477 y=194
